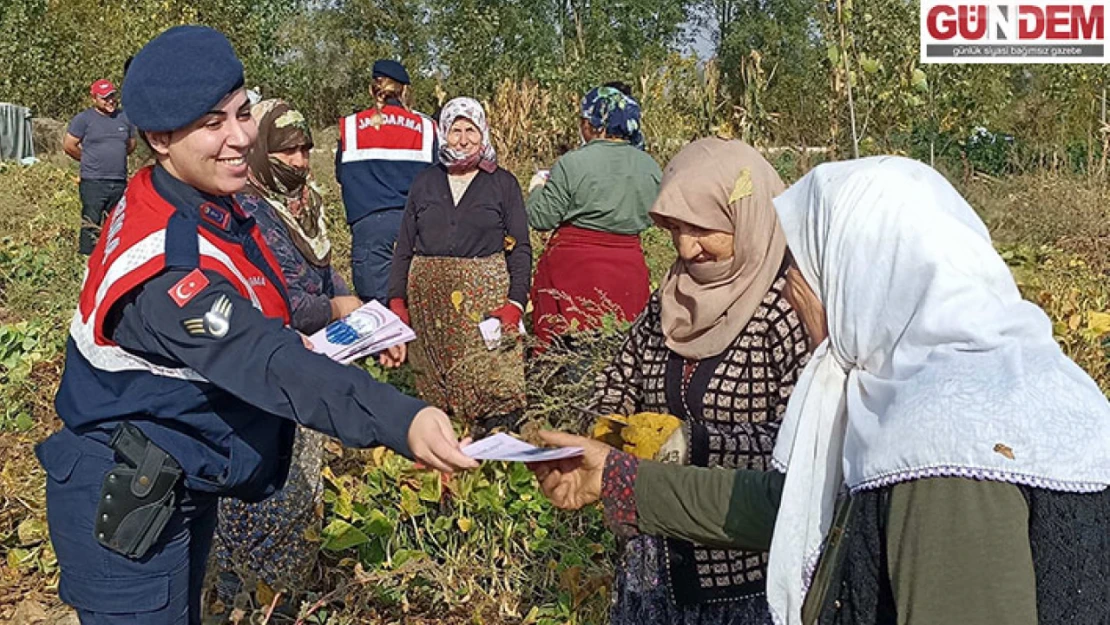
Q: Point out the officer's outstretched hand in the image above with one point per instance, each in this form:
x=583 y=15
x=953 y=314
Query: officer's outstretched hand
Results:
x=433 y=442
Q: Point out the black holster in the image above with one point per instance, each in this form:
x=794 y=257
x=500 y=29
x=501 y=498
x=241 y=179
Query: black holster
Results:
x=138 y=495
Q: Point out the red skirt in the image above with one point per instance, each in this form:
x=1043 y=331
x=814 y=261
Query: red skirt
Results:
x=584 y=275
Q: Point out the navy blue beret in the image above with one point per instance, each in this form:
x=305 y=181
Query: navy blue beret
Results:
x=391 y=69
x=178 y=77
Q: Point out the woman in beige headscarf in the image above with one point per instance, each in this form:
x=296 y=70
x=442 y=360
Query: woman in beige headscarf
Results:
x=720 y=347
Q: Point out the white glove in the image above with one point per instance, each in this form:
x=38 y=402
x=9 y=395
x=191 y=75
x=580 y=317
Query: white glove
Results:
x=538 y=180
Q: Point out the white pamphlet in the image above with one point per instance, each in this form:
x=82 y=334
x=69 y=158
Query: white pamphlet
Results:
x=368 y=330
x=505 y=447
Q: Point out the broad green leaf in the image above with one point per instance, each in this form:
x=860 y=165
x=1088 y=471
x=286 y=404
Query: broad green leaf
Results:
x=24 y=422
x=431 y=487
x=378 y=524
x=340 y=535
x=31 y=530
x=19 y=557
x=343 y=503
x=401 y=556
x=410 y=502
x=919 y=80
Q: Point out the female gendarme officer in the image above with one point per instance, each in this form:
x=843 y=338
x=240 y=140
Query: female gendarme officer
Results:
x=182 y=381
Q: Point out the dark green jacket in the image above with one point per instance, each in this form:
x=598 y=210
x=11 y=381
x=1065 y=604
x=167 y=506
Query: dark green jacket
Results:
x=957 y=550
x=604 y=185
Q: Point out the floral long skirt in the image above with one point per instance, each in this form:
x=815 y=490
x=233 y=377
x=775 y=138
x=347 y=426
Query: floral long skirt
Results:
x=266 y=541
x=454 y=369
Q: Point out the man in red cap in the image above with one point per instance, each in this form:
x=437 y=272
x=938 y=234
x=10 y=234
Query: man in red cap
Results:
x=100 y=137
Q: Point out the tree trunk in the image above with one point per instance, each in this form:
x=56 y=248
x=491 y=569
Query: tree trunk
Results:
x=848 y=79
x=579 y=29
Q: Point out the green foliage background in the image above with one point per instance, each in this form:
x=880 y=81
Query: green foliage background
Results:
x=778 y=72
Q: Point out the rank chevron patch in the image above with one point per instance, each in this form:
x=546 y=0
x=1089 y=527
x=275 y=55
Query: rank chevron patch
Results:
x=214 y=323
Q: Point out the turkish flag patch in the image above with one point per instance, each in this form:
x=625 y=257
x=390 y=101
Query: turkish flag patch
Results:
x=188 y=287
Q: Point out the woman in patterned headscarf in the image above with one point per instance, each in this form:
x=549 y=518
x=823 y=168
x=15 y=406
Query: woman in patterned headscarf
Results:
x=266 y=540
x=596 y=200
x=463 y=257
x=279 y=194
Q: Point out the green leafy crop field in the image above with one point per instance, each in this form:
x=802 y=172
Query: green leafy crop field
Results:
x=401 y=545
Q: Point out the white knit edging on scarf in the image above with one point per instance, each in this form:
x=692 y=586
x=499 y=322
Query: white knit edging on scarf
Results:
x=934 y=363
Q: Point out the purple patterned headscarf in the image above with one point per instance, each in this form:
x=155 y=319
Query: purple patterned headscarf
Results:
x=457 y=163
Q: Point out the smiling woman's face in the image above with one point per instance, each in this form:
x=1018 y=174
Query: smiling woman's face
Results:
x=210 y=154
x=698 y=245
x=464 y=136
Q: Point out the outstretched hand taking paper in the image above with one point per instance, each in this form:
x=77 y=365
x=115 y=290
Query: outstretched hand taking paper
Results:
x=509 y=449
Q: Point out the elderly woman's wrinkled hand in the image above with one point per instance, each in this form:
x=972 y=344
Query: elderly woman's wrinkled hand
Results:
x=572 y=482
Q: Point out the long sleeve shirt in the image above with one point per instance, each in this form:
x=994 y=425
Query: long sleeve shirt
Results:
x=310 y=287
x=603 y=185
x=257 y=359
x=956 y=550
x=489 y=219
x=264 y=364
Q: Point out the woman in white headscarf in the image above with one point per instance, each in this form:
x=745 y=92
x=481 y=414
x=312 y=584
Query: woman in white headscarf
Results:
x=944 y=461
x=463 y=257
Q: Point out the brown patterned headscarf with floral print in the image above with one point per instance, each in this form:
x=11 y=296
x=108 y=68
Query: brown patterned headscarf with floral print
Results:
x=288 y=189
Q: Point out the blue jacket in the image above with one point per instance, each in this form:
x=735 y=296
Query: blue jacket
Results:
x=192 y=359
x=378 y=156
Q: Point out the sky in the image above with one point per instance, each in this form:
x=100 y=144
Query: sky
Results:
x=701 y=42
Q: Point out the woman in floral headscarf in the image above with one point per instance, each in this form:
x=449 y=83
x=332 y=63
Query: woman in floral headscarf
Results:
x=596 y=199
x=266 y=540
x=463 y=257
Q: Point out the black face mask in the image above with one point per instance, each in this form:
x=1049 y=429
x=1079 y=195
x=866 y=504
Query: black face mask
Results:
x=289 y=180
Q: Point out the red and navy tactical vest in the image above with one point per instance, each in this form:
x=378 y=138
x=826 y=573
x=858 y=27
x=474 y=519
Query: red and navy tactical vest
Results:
x=379 y=155
x=223 y=444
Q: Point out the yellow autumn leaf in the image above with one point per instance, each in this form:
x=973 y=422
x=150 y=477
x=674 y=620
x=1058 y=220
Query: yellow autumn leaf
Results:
x=743 y=187
x=1098 y=322
x=457 y=299
x=327 y=474
x=1074 y=321
x=264 y=593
